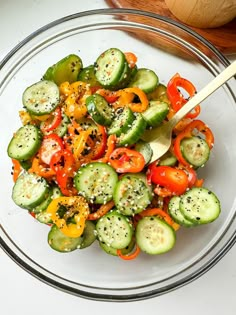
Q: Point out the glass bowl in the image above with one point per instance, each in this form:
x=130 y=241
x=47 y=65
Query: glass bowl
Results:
x=166 y=47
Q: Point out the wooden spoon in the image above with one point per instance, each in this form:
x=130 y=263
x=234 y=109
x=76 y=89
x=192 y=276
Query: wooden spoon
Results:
x=159 y=138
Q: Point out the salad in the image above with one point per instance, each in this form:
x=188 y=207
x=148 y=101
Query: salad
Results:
x=81 y=167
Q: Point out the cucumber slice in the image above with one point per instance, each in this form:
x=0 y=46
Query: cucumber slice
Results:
x=131 y=195
x=41 y=98
x=44 y=204
x=168 y=159
x=67 y=69
x=44 y=217
x=88 y=75
x=25 y=143
x=121 y=122
x=156 y=113
x=199 y=205
x=109 y=67
x=175 y=213
x=143 y=177
x=62 y=243
x=108 y=249
x=134 y=133
x=113 y=251
x=124 y=78
x=99 y=109
x=145 y=79
x=115 y=230
x=29 y=191
x=159 y=94
x=96 y=182
x=195 y=150
x=89 y=234
x=154 y=236
x=145 y=149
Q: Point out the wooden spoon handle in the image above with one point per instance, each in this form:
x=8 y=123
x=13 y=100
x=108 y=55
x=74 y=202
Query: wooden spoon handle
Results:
x=211 y=87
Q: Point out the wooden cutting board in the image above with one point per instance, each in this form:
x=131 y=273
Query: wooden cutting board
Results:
x=224 y=37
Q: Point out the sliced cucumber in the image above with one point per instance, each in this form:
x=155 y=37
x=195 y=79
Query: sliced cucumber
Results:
x=44 y=217
x=29 y=190
x=113 y=251
x=108 y=249
x=145 y=79
x=145 y=149
x=168 y=159
x=41 y=98
x=176 y=214
x=154 y=236
x=44 y=204
x=121 y=122
x=25 y=143
x=159 y=94
x=143 y=177
x=26 y=164
x=89 y=234
x=67 y=69
x=156 y=113
x=96 y=182
x=62 y=243
x=199 y=205
x=115 y=230
x=124 y=78
x=109 y=67
x=134 y=133
x=131 y=195
x=87 y=75
x=195 y=150
x=99 y=109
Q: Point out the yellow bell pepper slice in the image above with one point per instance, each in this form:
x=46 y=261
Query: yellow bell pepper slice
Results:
x=76 y=207
x=76 y=94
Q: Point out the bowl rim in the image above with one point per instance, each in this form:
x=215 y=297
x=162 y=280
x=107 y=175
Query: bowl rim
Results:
x=109 y=297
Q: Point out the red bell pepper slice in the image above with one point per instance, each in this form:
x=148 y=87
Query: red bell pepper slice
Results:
x=171 y=178
x=64 y=161
x=65 y=182
x=101 y=144
x=176 y=97
x=126 y=160
x=196 y=126
x=52 y=122
x=50 y=145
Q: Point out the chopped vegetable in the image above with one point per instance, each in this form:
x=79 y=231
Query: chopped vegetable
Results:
x=81 y=167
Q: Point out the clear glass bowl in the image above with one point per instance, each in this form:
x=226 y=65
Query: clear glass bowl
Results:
x=166 y=47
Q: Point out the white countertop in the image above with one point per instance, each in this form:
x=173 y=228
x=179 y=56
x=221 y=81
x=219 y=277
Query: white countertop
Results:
x=20 y=293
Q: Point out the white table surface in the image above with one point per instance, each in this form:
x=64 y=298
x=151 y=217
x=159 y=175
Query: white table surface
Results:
x=20 y=293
